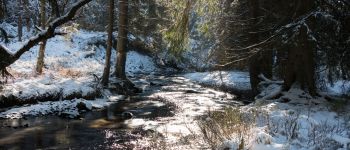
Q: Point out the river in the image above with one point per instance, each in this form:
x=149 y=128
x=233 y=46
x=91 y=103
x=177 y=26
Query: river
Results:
x=164 y=104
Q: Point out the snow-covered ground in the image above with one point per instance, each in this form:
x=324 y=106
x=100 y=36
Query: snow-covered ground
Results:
x=341 y=87
x=232 y=79
x=293 y=121
x=298 y=121
x=80 y=53
x=72 y=64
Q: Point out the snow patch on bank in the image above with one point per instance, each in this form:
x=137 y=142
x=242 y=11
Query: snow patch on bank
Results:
x=232 y=79
x=341 y=87
x=72 y=64
x=82 y=52
x=49 y=85
x=67 y=108
x=297 y=121
x=293 y=121
x=138 y=63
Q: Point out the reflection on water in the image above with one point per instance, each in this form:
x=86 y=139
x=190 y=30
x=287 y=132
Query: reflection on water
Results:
x=51 y=132
x=104 y=129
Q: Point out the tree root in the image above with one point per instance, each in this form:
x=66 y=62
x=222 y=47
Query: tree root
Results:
x=124 y=87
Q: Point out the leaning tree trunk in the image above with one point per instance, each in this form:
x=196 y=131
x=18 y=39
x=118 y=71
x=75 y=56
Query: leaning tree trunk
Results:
x=40 y=61
x=122 y=39
x=106 y=70
x=301 y=65
x=7 y=58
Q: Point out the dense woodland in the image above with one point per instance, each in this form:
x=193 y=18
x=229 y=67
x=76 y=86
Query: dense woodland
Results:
x=297 y=41
x=282 y=46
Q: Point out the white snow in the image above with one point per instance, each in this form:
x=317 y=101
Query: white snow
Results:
x=48 y=85
x=68 y=107
x=232 y=79
x=79 y=54
x=137 y=63
x=339 y=87
x=303 y=122
x=71 y=62
x=190 y=106
x=294 y=121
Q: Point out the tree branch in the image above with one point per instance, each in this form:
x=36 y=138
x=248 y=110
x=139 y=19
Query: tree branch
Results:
x=7 y=58
x=50 y=31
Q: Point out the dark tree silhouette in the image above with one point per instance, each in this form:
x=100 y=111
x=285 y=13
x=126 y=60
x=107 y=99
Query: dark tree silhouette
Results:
x=122 y=39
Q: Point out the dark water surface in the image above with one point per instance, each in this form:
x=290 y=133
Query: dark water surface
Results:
x=94 y=130
x=91 y=131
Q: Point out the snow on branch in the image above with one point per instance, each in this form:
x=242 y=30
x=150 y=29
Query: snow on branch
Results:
x=5 y=49
x=8 y=58
x=50 y=31
x=253 y=49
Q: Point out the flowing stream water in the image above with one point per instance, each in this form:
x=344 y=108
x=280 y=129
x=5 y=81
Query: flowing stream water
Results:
x=93 y=130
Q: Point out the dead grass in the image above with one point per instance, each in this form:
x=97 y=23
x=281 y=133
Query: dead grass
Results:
x=227 y=125
x=215 y=129
x=73 y=73
x=17 y=74
x=158 y=142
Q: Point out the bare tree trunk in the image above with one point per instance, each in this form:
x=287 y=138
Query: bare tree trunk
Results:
x=5 y=8
x=261 y=62
x=300 y=63
x=55 y=11
x=40 y=61
x=54 y=14
x=122 y=39
x=281 y=61
x=64 y=5
x=20 y=21
x=254 y=68
x=2 y=10
x=266 y=63
x=106 y=70
x=2 y=16
x=27 y=15
x=254 y=74
x=20 y=27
